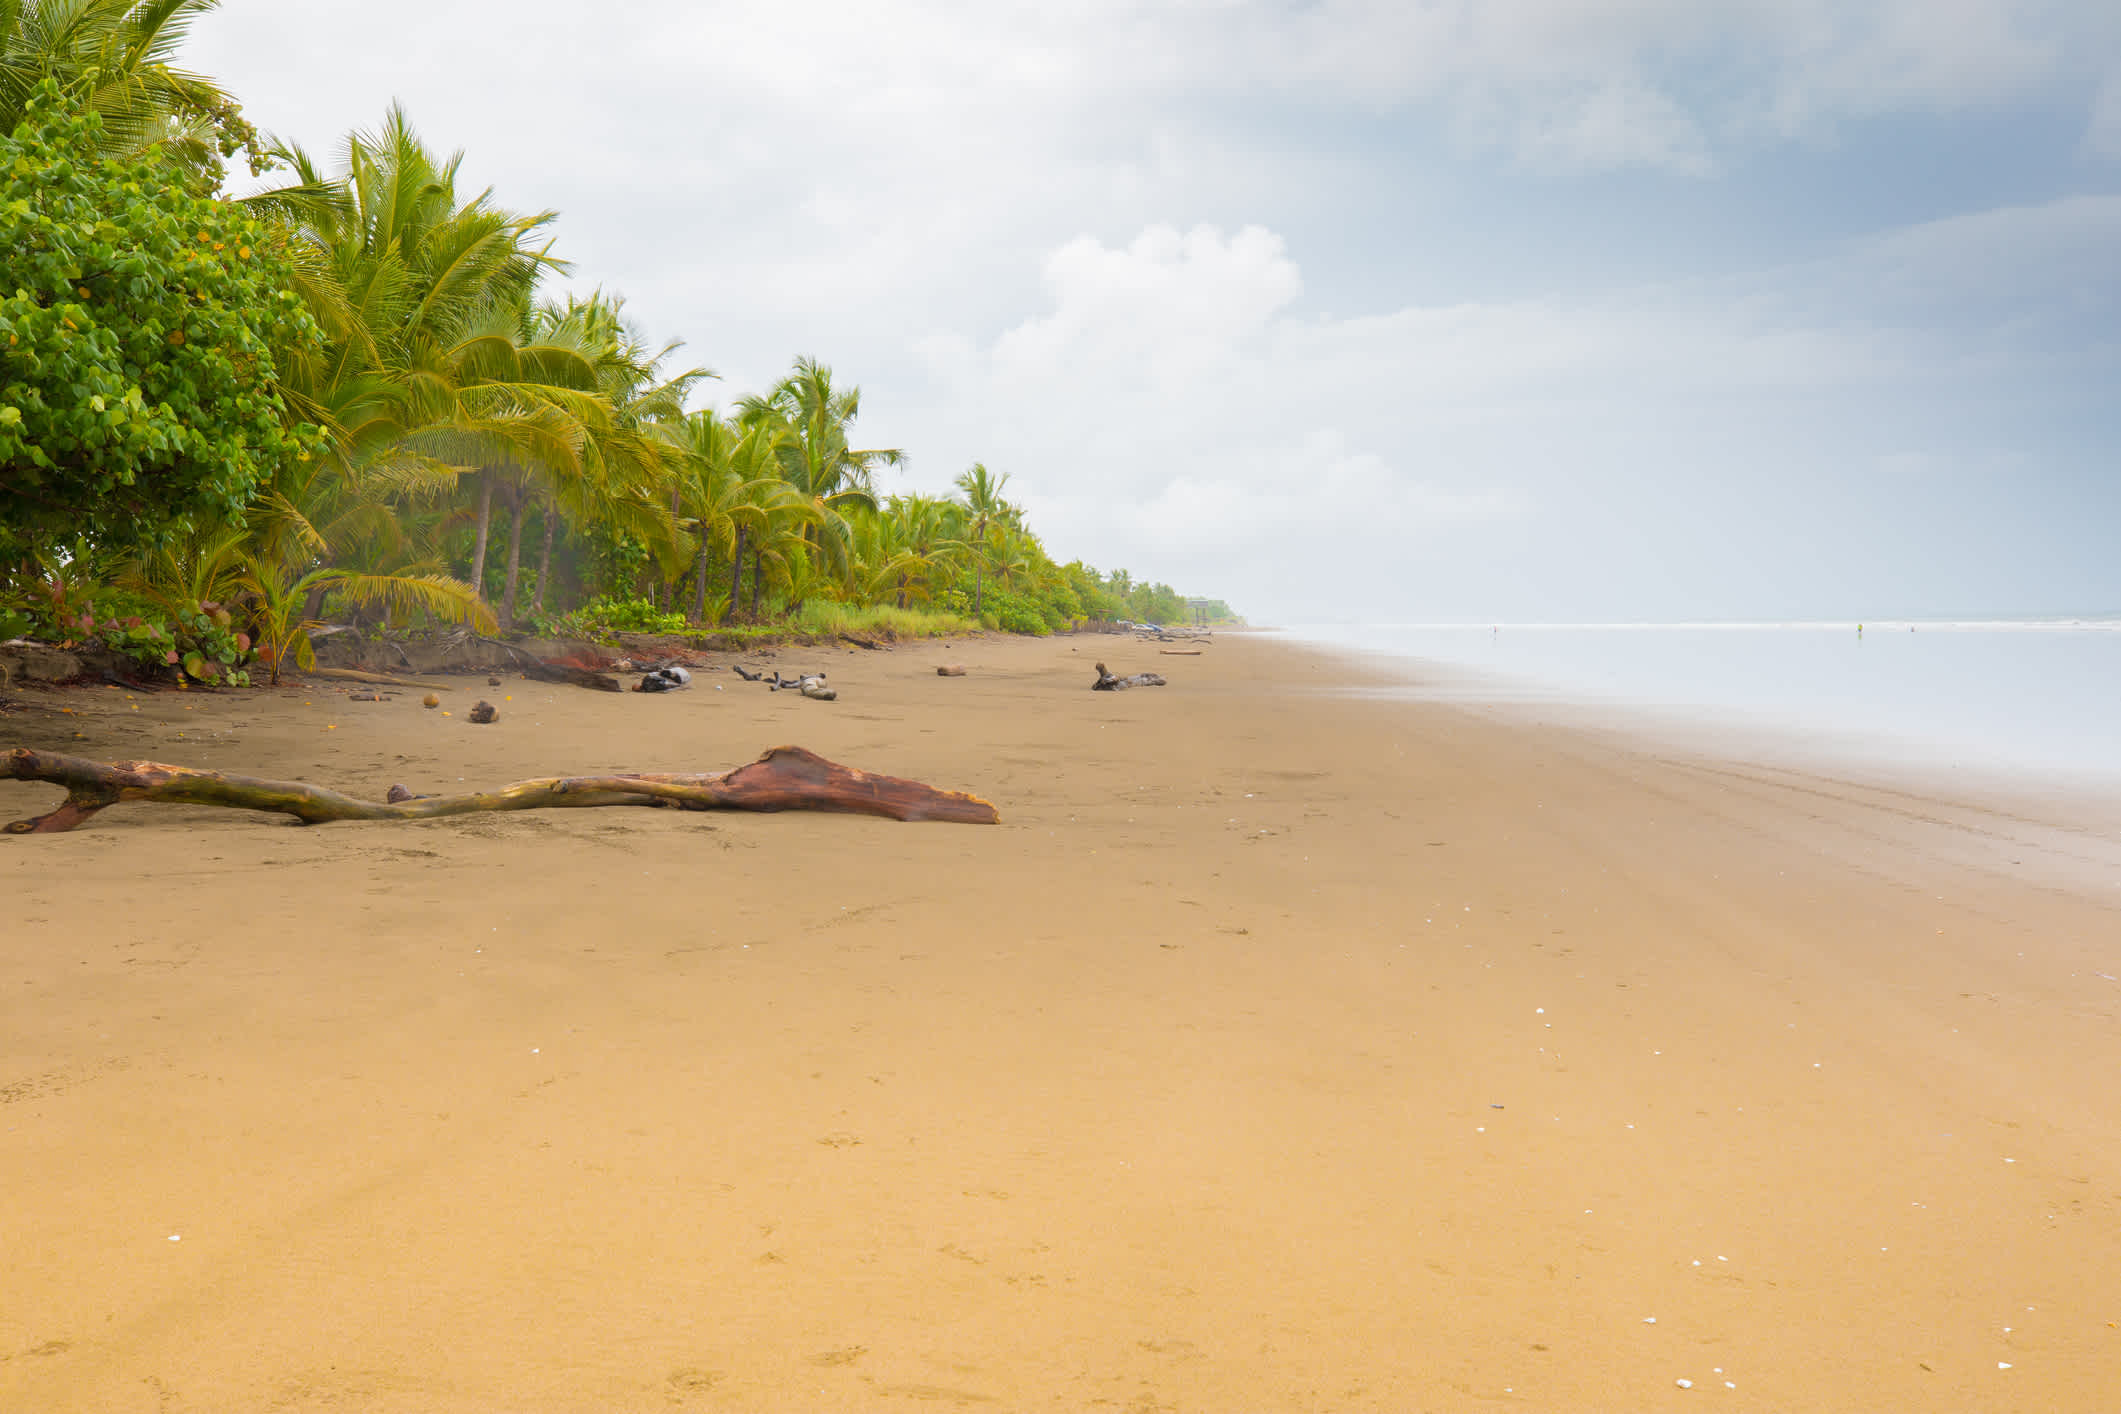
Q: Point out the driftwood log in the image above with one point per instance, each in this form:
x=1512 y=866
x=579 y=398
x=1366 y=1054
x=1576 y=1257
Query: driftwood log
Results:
x=785 y=778
x=811 y=685
x=1108 y=681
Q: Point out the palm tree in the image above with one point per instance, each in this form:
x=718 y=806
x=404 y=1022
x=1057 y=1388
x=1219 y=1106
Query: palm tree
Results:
x=815 y=453
x=283 y=621
x=438 y=368
x=115 y=57
x=923 y=530
x=632 y=472
x=984 y=511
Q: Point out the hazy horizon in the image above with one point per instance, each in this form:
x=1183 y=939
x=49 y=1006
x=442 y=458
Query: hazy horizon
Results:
x=1483 y=311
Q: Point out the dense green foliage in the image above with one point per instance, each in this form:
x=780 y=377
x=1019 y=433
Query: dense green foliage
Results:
x=347 y=397
x=138 y=329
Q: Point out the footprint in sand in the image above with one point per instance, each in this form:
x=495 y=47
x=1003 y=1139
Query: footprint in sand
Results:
x=845 y=1356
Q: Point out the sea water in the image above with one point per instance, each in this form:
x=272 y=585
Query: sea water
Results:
x=2032 y=698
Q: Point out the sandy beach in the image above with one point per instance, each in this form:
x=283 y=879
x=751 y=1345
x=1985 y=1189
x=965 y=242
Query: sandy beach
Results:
x=1284 y=1048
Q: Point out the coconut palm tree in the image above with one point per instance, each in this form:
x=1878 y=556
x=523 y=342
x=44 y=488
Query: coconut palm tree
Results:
x=631 y=475
x=280 y=613
x=116 y=58
x=816 y=454
x=441 y=372
x=985 y=510
x=924 y=529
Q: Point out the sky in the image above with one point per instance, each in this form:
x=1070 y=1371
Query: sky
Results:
x=1350 y=310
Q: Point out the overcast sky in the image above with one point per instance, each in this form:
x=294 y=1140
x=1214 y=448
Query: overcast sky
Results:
x=1428 y=310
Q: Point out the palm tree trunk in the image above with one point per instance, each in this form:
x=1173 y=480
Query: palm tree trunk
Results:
x=699 y=585
x=313 y=602
x=515 y=556
x=978 y=576
x=758 y=573
x=736 y=579
x=485 y=523
x=545 y=560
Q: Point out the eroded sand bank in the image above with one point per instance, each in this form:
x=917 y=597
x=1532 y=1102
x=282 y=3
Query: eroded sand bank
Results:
x=1281 y=1050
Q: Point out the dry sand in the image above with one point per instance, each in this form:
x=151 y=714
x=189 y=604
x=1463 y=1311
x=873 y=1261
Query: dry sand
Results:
x=1283 y=1049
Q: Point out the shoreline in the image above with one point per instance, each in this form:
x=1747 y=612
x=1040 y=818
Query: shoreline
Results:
x=1278 y=1050
x=1777 y=736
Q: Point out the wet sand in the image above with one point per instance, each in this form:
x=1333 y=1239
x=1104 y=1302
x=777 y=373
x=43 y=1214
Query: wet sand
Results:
x=1283 y=1049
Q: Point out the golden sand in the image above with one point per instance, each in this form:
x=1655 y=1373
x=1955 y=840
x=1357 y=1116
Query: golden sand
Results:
x=1283 y=1049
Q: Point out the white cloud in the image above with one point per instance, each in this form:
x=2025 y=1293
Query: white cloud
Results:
x=2102 y=132
x=1616 y=125
x=1170 y=308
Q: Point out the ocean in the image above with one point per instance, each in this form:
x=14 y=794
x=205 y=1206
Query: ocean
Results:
x=2038 y=699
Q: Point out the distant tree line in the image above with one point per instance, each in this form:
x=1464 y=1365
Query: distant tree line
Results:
x=223 y=419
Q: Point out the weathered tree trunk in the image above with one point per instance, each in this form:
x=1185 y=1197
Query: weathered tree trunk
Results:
x=519 y=507
x=785 y=778
x=313 y=602
x=551 y=518
x=736 y=579
x=758 y=575
x=478 y=541
x=699 y=585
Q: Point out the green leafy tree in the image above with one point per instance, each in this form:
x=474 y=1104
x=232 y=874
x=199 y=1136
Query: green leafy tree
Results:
x=116 y=57
x=139 y=330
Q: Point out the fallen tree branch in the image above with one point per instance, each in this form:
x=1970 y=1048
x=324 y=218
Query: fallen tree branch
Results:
x=785 y=778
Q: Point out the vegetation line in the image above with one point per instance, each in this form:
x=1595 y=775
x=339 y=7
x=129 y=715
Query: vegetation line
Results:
x=349 y=396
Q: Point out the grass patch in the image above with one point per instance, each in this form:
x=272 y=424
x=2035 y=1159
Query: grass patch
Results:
x=826 y=618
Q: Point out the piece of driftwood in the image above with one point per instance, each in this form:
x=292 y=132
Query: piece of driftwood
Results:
x=1108 y=681
x=384 y=679
x=950 y=670
x=869 y=643
x=811 y=685
x=1179 y=652
x=785 y=778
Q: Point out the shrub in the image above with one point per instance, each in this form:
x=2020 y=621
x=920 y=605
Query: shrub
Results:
x=1016 y=613
x=628 y=616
